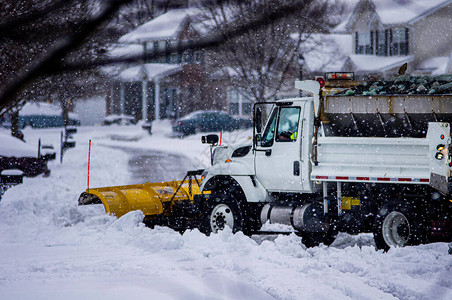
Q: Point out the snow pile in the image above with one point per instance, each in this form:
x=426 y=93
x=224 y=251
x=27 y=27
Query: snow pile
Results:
x=52 y=249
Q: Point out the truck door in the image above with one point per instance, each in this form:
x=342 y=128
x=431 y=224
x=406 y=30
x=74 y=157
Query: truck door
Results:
x=278 y=151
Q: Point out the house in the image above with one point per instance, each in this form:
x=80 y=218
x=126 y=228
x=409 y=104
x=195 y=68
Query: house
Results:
x=386 y=34
x=168 y=86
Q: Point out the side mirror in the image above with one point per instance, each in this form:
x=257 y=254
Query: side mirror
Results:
x=258 y=120
x=211 y=139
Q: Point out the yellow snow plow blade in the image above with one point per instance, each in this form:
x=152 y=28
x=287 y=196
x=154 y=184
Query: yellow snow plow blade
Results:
x=151 y=198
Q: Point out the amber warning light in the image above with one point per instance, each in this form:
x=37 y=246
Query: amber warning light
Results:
x=340 y=76
x=320 y=80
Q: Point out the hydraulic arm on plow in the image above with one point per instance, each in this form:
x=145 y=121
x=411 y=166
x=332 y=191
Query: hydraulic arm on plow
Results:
x=168 y=203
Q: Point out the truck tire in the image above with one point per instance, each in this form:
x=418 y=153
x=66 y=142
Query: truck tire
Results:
x=222 y=209
x=397 y=225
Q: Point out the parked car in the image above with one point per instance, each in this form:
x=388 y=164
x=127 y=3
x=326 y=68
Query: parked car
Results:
x=208 y=121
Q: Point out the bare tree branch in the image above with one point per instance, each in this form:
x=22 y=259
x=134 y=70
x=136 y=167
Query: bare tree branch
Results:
x=5 y=27
x=51 y=63
x=207 y=42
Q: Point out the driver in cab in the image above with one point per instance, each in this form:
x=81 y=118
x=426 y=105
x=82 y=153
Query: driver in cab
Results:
x=288 y=131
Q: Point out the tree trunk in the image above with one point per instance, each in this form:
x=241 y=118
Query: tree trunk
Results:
x=14 y=116
x=65 y=112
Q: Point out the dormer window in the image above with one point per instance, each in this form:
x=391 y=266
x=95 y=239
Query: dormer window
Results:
x=398 y=41
x=389 y=42
x=364 y=42
x=381 y=37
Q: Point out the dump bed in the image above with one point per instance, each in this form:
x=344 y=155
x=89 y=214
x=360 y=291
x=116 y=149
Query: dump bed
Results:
x=401 y=107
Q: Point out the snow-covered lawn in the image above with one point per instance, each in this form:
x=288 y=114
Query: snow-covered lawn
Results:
x=52 y=249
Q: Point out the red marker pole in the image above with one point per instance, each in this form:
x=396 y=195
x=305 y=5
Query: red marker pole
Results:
x=89 y=156
x=221 y=136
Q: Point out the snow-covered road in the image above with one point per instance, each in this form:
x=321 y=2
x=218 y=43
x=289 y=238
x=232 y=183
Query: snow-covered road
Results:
x=52 y=249
x=154 y=166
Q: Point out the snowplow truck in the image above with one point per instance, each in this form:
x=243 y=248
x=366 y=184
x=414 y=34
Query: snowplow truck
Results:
x=324 y=164
x=375 y=163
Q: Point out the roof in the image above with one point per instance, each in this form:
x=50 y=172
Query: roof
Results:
x=374 y=63
x=150 y=72
x=394 y=12
x=405 y=11
x=165 y=27
x=43 y=109
x=435 y=65
x=327 y=52
x=125 y=50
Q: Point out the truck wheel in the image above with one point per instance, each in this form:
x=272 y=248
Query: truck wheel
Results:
x=395 y=226
x=222 y=209
x=313 y=239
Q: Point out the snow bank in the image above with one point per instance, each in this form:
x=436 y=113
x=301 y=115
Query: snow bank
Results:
x=52 y=249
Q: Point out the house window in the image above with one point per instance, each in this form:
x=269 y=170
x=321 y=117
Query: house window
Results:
x=168 y=102
x=363 y=42
x=381 y=42
x=239 y=103
x=179 y=52
x=161 y=58
x=168 y=52
x=234 y=108
x=399 y=41
x=247 y=106
x=199 y=56
x=155 y=49
x=189 y=53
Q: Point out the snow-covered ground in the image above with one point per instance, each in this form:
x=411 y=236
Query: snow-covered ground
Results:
x=52 y=249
